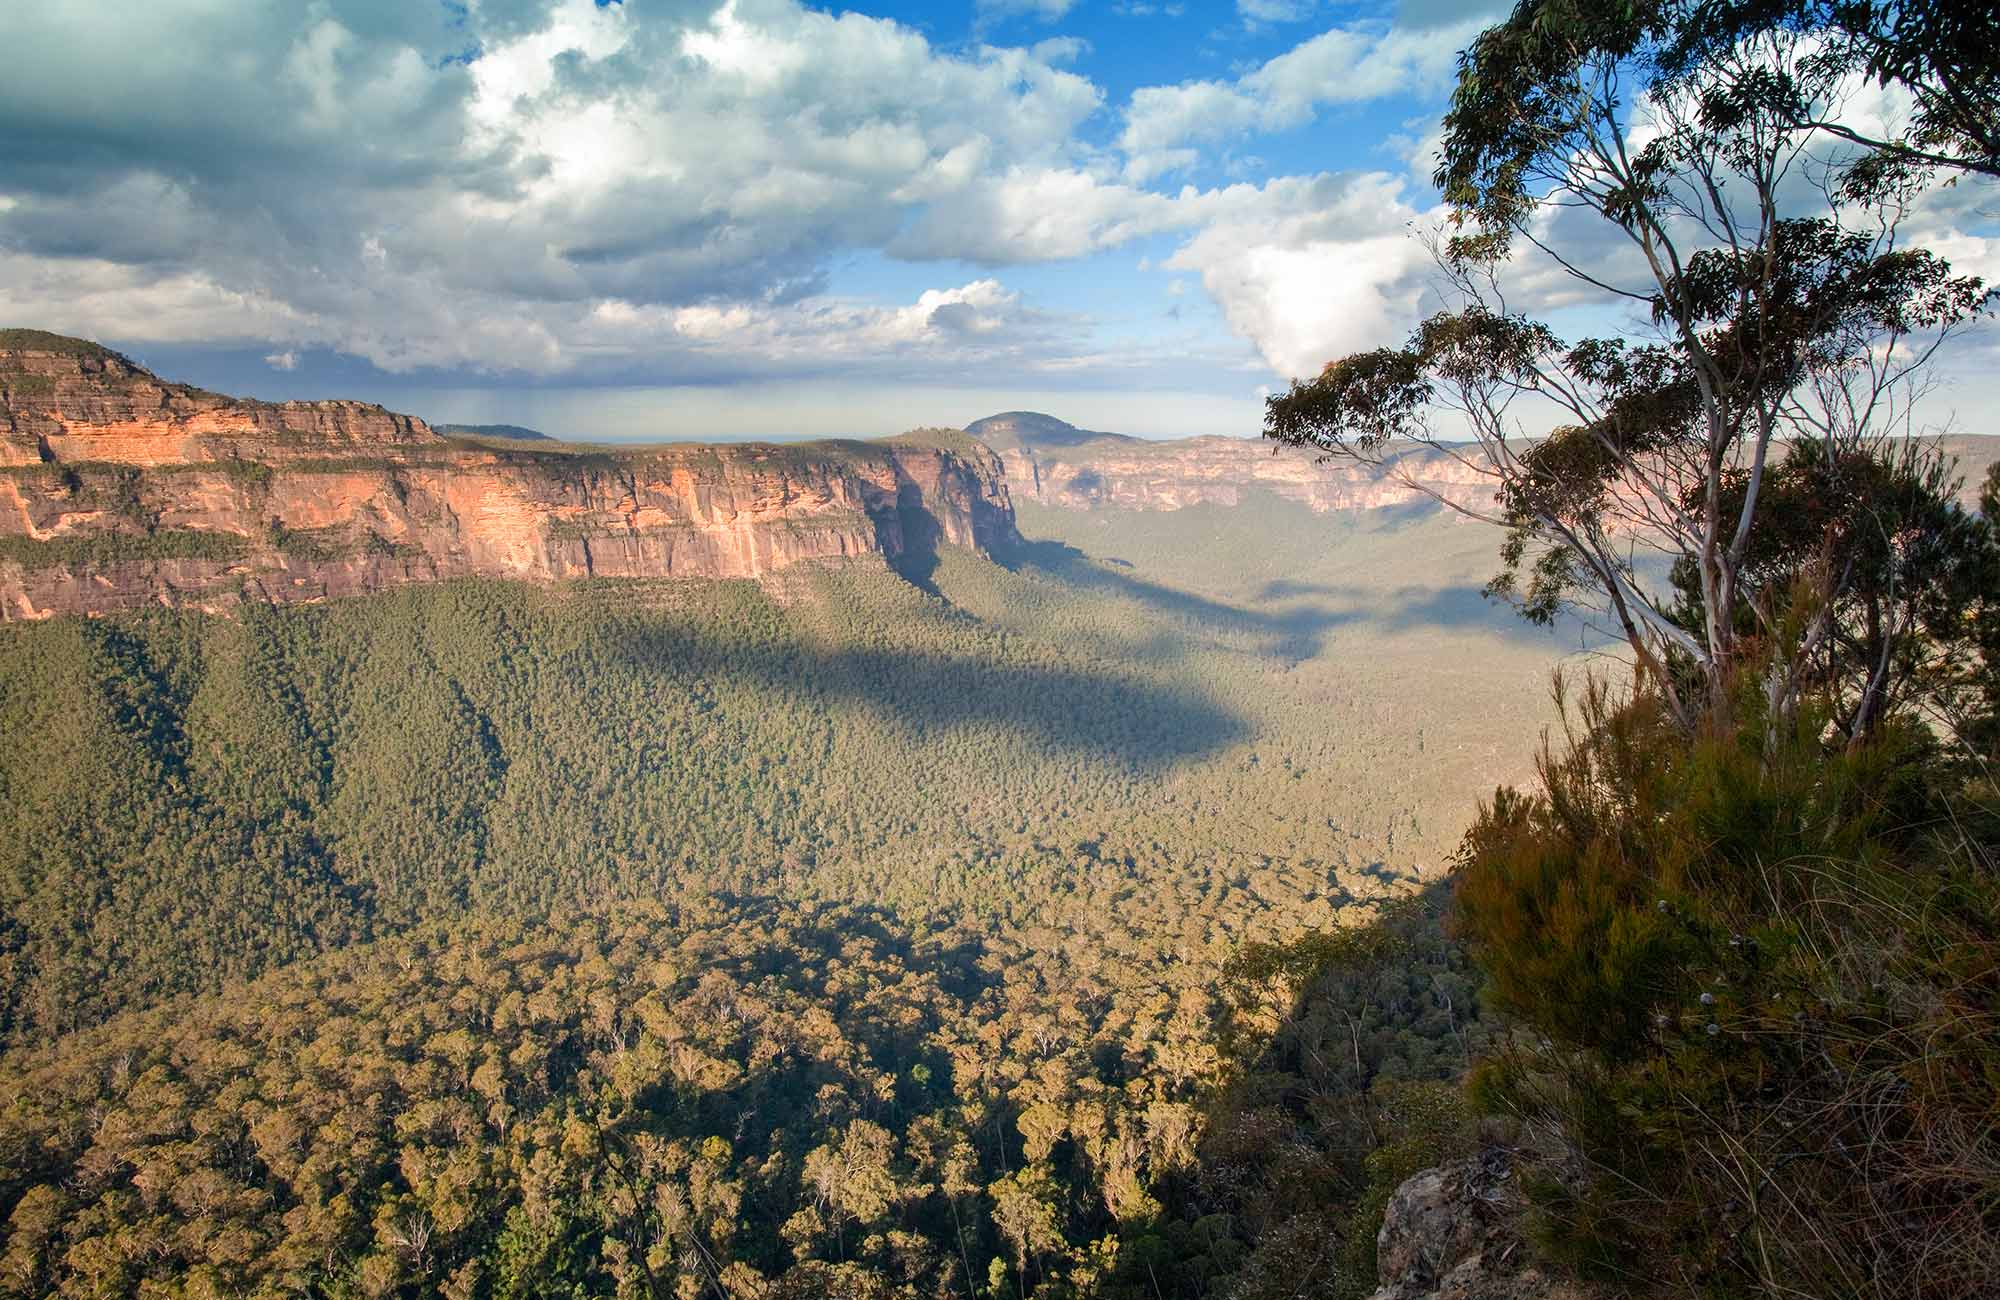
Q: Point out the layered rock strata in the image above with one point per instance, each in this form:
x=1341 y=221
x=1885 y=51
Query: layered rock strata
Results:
x=119 y=490
x=1055 y=464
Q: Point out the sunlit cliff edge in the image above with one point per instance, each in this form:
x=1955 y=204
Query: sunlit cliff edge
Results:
x=1057 y=464
x=119 y=489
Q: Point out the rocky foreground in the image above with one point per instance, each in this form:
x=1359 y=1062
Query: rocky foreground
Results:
x=1454 y=1233
x=119 y=489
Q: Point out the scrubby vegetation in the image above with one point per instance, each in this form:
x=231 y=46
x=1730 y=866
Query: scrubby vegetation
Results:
x=1746 y=924
x=660 y=938
x=1764 y=988
x=30 y=340
x=102 y=550
x=190 y=799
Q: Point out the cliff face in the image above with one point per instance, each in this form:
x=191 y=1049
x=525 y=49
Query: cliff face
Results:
x=1055 y=464
x=118 y=490
x=67 y=400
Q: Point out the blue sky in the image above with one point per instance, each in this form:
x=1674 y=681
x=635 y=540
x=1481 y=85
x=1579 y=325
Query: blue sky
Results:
x=720 y=218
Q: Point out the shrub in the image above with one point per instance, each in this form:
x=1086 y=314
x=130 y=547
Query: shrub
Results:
x=1762 y=978
x=100 y=551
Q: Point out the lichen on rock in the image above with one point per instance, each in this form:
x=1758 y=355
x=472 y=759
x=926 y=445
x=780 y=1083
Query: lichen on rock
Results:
x=1453 y=1233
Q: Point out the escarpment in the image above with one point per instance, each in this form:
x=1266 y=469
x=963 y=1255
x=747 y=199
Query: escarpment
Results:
x=1056 y=464
x=118 y=490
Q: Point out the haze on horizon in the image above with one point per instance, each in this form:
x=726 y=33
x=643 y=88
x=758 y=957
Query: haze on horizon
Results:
x=639 y=219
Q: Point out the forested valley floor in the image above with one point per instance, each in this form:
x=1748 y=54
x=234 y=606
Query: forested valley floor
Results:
x=1000 y=932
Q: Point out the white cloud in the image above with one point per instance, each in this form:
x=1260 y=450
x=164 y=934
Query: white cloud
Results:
x=99 y=298
x=347 y=177
x=1274 y=11
x=1314 y=269
x=561 y=189
x=282 y=360
x=979 y=323
x=1047 y=10
x=1365 y=61
x=1037 y=214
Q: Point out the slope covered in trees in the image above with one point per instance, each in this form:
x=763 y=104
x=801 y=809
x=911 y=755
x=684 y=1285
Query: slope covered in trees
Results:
x=738 y=1099
x=186 y=799
x=834 y=937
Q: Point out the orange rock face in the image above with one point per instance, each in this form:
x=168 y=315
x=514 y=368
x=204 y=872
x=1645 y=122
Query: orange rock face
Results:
x=118 y=490
x=91 y=404
x=1054 y=464
x=1058 y=464
x=1138 y=475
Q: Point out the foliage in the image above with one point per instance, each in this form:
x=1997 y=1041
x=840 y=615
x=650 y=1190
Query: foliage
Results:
x=1785 y=309
x=186 y=800
x=105 y=550
x=645 y=1105
x=1336 y=1051
x=27 y=340
x=829 y=938
x=1762 y=983
x=663 y=1100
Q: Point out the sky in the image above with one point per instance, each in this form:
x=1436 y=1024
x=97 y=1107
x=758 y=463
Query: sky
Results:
x=733 y=218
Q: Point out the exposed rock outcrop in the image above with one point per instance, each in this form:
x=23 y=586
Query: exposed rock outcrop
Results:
x=1451 y=1233
x=65 y=399
x=118 y=490
x=1057 y=464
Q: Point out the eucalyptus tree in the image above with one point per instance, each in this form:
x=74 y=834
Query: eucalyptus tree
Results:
x=1706 y=170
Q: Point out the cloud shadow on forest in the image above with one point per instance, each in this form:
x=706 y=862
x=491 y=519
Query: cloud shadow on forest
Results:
x=1290 y=634
x=1458 y=608
x=1309 y=612
x=930 y=696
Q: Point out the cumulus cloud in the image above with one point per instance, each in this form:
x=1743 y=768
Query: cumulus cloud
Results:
x=980 y=328
x=557 y=187
x=1038 y=214
x=553 y=187
x=1352 y=64
x=422 y=192
x=1312 y=269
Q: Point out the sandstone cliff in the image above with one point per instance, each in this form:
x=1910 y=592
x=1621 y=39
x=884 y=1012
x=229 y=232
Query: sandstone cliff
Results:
x=118 y=490
x=1056 y=464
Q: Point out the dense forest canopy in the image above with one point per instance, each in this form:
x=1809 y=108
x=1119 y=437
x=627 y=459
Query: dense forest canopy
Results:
x=1073 y=922
x=824 y=937
x=189 y=799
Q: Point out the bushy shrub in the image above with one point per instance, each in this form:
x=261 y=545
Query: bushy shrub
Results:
x=1759 y=979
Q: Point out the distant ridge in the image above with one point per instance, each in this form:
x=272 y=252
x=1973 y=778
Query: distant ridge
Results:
x=1052 y=462
x=303 y=501
x=1032 y=430
x=62 y=345
x=513 y=431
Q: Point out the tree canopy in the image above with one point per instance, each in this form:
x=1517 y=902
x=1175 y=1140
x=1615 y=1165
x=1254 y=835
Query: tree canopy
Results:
x=1779 y=306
